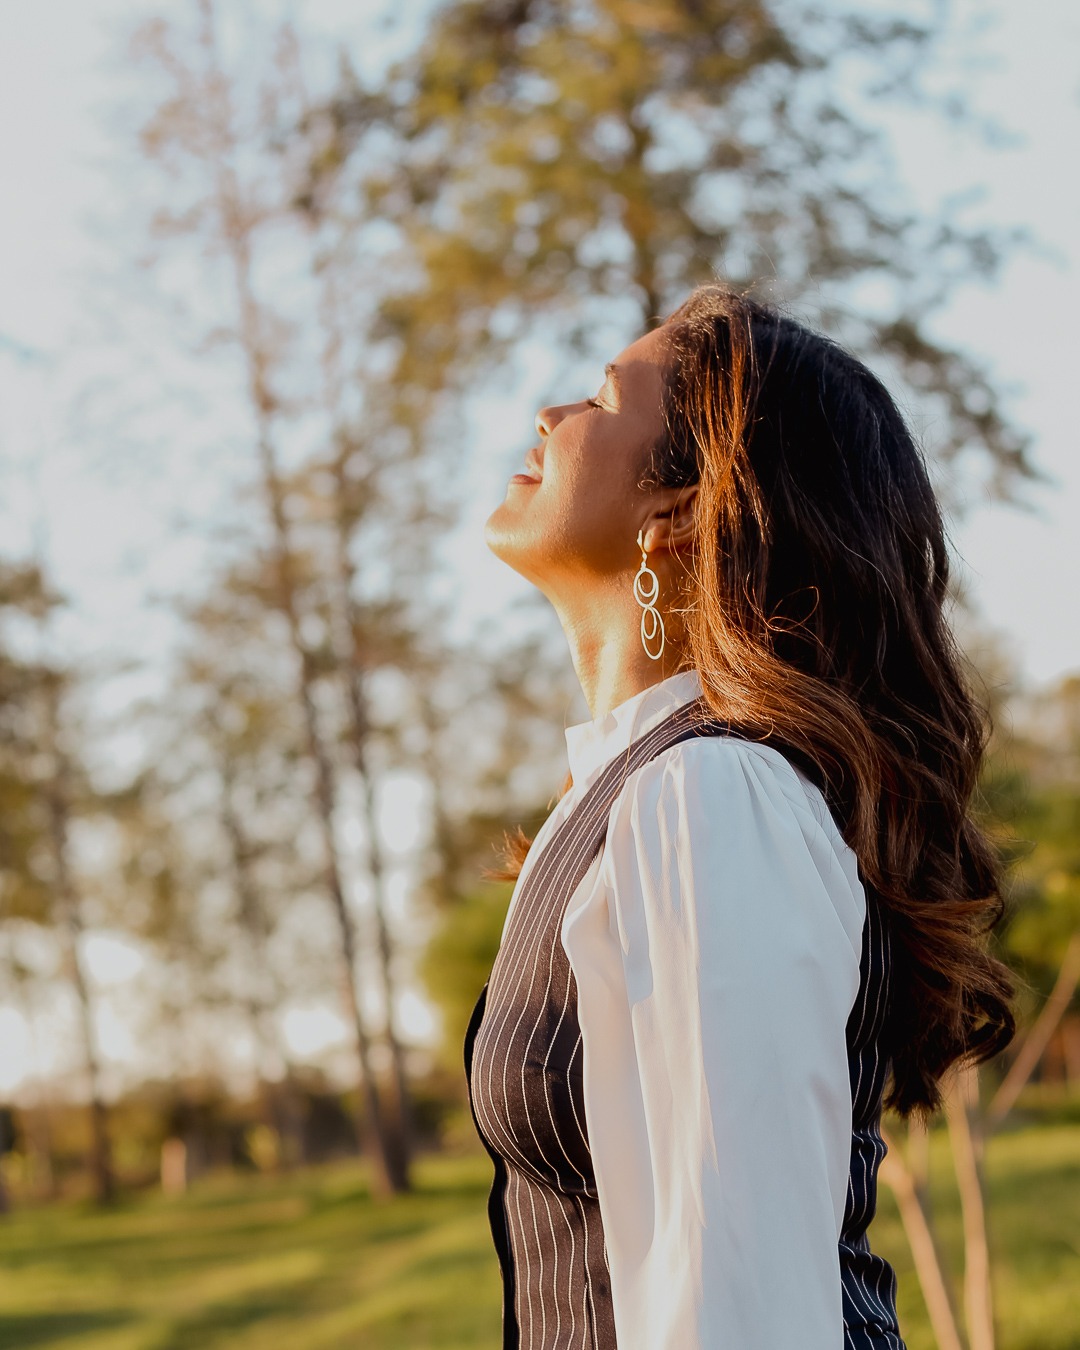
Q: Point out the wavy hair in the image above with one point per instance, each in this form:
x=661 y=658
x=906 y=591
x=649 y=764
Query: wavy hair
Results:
x=816 y=620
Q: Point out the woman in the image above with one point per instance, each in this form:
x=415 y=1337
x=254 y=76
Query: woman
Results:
x=762 y=893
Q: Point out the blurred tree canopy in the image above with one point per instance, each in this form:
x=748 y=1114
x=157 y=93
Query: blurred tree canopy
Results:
x=1036 y=789
x=25 y=600
x=547 y=169
x=362 y=260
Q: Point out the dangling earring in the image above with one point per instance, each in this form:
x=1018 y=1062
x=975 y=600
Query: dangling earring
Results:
x=646 y=589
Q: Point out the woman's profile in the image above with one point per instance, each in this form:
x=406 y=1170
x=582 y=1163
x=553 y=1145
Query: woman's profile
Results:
x=758 y=912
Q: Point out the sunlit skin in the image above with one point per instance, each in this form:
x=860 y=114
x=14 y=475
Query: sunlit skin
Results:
x=570 y=521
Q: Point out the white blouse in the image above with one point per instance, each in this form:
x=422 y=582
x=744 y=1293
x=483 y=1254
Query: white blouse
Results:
x=715 y=943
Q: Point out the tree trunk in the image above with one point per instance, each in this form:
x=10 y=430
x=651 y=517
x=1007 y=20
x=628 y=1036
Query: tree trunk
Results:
x=391 y=1171
x=1038 y=1037
x=965 y=1135
x=914 y=1214
x=273 y=1106
x=402 y=1096
x=206 y=100
x=376 y=866
x=349 y=625
x=101 y=1152
x=36 y=1116
x=918 y=1160
x=39 y=1139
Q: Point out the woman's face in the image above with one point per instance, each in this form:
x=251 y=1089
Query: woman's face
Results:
x=574 y=510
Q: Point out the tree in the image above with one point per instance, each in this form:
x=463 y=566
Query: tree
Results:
x=44 y=787
x=1037 y=792
x=240 y=209
x=1029 y=804
x=568 y=171
x=235 y=747
x=22 y=983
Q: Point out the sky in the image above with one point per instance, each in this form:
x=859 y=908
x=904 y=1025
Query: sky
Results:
x=111 y=537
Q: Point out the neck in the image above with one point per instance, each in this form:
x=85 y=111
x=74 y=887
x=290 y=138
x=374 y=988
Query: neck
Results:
x=604 y=635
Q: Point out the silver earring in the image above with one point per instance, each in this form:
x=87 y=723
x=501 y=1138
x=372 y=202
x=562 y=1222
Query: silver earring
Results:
x=646 y=589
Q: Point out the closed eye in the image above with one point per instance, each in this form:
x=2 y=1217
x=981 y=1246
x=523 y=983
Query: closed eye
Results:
x=593 y=403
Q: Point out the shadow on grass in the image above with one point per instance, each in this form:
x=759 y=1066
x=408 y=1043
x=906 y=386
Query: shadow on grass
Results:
x=214 y=1325
x=32 y=1329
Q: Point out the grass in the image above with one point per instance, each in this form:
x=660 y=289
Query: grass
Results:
x=306 y=1261
x=1033 y=1184
x=310 y=1262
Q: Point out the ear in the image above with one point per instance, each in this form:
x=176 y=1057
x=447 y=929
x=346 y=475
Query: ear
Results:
x=671 y=523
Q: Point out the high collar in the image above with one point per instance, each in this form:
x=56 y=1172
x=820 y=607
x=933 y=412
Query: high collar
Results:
x=590 y=745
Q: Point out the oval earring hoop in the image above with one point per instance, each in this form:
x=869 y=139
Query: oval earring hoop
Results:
x=646 y=590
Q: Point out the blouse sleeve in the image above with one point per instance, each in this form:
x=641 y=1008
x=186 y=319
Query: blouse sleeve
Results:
x=720 y=1113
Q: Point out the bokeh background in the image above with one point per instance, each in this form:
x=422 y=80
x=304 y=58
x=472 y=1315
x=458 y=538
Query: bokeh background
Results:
x=281 y=288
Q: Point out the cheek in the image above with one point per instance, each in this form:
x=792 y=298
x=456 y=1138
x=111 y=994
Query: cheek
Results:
x=595 y=501
x=600 y=468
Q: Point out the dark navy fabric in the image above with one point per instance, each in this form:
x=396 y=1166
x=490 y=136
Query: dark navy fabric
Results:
x=523 y=1065
x=868 y=1282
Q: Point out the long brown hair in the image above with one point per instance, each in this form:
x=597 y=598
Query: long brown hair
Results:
x=816 y=620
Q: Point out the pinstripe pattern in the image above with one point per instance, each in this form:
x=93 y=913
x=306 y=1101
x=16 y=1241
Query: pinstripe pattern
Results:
x=868 y=1282
x=523 y=1063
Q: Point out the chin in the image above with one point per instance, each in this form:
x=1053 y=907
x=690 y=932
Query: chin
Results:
x=502 y=533
x=509 y=540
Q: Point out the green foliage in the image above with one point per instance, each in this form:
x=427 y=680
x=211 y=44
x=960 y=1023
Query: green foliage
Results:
x=1046 y=892
x=1030 y=788
x=28 y=691
x=548 y=168
x=458 y=959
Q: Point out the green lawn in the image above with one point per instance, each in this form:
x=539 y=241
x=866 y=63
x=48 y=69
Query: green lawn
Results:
x=309 y=1262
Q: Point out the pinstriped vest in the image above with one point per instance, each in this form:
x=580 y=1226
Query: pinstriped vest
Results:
x=523 y=1065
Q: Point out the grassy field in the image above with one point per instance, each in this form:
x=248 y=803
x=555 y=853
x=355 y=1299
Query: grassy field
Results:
x=309 y=1262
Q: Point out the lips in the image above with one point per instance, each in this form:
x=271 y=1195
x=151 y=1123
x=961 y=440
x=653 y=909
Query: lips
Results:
x=533 y=465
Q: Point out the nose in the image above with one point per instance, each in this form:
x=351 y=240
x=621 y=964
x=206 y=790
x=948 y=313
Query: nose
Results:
x=546 y=421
